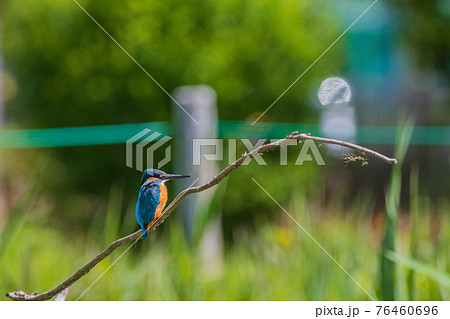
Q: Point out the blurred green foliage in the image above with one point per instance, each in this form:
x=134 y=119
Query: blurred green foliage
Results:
x=277 y=261
x=70 y=73
x=389 y=271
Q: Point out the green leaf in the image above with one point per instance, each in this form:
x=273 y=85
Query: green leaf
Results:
x=440 y=277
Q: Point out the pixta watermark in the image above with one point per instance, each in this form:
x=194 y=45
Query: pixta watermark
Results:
x=149 y=141
x=141 y=148
x=308 y=151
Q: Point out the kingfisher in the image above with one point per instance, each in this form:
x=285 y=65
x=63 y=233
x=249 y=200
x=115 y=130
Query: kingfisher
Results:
x=152 y=197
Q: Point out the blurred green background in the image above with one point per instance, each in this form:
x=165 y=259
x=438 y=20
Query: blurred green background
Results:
x=387 y=226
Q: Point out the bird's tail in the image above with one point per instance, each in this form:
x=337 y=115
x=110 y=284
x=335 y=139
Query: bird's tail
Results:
x=144 y=231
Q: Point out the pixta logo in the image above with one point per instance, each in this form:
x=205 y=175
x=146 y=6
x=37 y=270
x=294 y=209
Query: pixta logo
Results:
x=142 y=142
x=215 y=151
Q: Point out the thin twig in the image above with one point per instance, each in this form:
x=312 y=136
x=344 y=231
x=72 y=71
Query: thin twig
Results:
x=20 y=295
x=350 y=157
x=358 y=148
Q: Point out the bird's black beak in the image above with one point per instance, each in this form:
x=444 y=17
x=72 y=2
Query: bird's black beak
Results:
x=173 y=176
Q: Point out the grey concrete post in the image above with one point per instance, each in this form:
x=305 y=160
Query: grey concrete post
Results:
x=200 y=102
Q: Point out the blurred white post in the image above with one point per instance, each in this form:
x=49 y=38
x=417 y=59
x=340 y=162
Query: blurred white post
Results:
x=200 y=102
x=338 y=119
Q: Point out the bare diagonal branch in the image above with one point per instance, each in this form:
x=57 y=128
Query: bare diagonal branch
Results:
x=20 y=295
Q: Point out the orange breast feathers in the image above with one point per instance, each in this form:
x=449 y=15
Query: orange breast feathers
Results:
x=163 y=200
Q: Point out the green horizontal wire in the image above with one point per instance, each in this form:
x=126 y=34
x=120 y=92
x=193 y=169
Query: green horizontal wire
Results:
x=422 y=135
x=117 y=134
x=77 y=136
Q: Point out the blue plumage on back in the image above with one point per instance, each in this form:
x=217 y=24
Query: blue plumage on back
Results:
x=146 y=206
